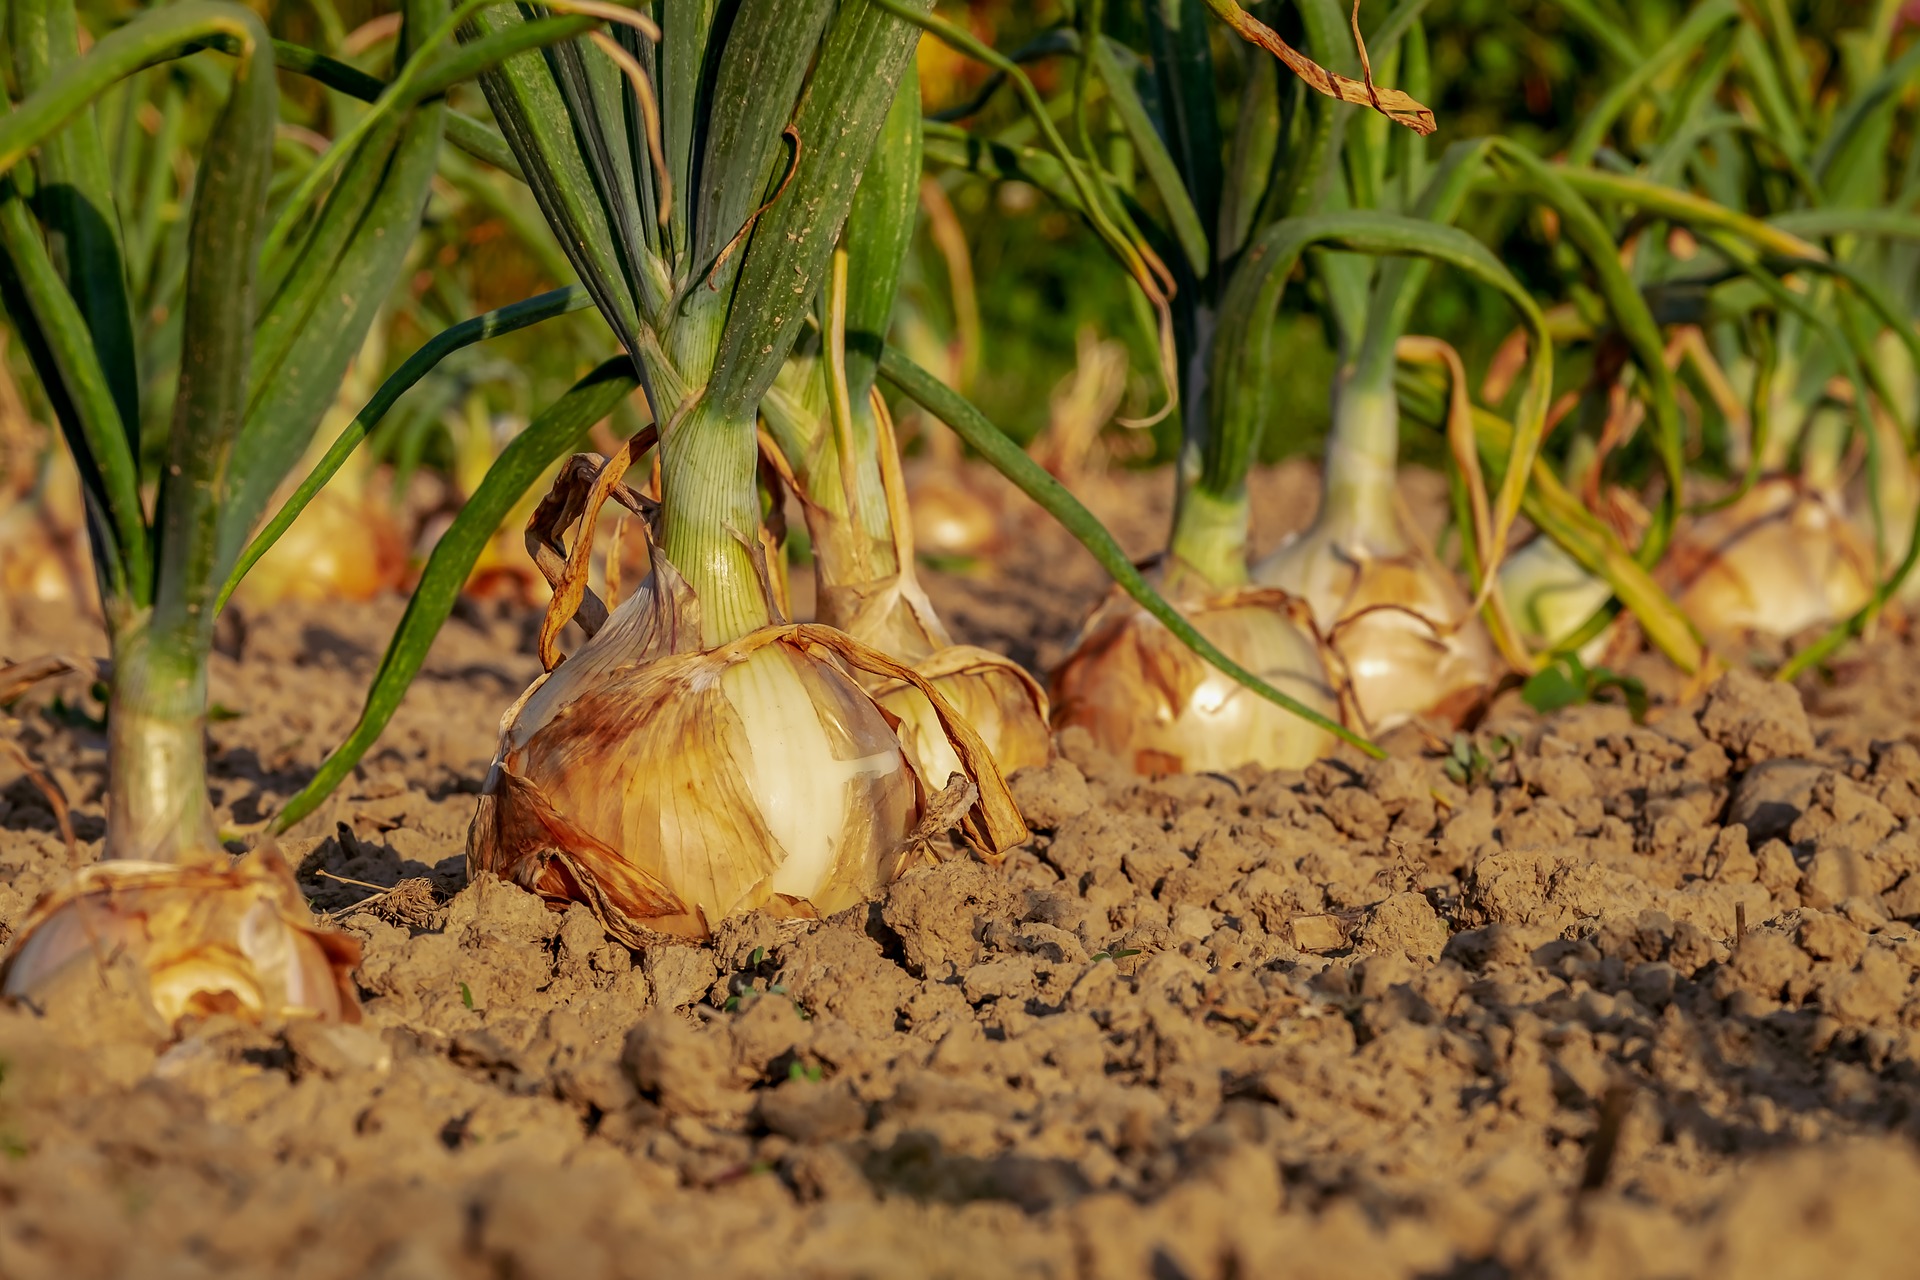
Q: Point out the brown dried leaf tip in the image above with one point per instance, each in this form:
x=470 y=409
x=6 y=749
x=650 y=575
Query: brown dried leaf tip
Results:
x=1391 y=103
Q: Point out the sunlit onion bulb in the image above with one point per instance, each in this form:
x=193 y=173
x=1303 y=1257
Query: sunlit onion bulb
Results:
x=1149 y=700
x=1781 y=559
x=44 y=557
x=679 y=789
x=1550 y=596
x=207 y=939
x=340 y=548
x=34 y=560
x=1004 y=704
x=1400 y=627
x=949 y=518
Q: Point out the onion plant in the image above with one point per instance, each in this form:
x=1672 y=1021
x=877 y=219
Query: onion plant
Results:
x=1238 y=215
x=280 y=284
x=701 y=755
x=1793 y=309
x=833 y=432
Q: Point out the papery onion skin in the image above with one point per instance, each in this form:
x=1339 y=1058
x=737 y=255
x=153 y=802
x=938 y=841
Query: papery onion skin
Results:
x=1160 y=708
x=207 y=938
x=1402 y=632
x=1004 y=704
x=1781 y=559
x=691 y=786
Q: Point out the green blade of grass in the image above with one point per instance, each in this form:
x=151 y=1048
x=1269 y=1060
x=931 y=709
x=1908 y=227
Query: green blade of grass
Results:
x=417 y=366
x=1037 y=483
x=550 y=436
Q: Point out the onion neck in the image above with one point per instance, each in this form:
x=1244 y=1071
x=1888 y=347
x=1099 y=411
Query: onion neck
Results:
x=709 y=519
x=1357 y=492
x=157 y=805
x=1208 y=553
x=847 y=519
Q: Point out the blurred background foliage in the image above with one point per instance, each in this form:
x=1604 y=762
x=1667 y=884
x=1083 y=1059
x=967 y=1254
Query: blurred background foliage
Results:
x=1527 y=69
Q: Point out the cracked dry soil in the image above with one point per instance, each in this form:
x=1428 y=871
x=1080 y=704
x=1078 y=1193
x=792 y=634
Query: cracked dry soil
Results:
x=1356 y=1021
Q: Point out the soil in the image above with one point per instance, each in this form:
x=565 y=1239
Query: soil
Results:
x=1620 y=1000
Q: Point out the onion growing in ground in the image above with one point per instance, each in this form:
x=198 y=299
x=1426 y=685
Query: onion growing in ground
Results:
x=199 y=933
x=701 y=756
x=1781 y=558
x=43 y=541
x=1550 y=597
x=1149 y=700
x=835 y=441
x=668 y=784
x=1403 y=633
x=207 y=939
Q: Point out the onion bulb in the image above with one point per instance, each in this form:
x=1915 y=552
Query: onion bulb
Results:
x=44 y=557
x=1780 y=559
x=1151 y=701
x=208 y=938
x=342 y=547
x=891 y=613
x=1551 y=596
x=950 y=518
x=1402 y=632
x=668 y=787
x=995 y=695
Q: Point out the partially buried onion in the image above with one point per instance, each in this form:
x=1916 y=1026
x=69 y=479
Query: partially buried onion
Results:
x=43 y=546
x=208 y=938
x=668 y=787
x=1402 y=632
x=951 y=518
x=892 y=613
x=1551 y=596
x=993 y=694
x=1781 y=558
x=1148 y=699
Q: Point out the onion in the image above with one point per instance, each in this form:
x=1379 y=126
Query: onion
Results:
x=206 y=937
x=1402 y=632
x=669 y=787
x=1148 y=699
x=995 y=695
x=1780 y=559
x=44 y=557
x=1551 y=596
x=340 y=548
x=950 y=518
